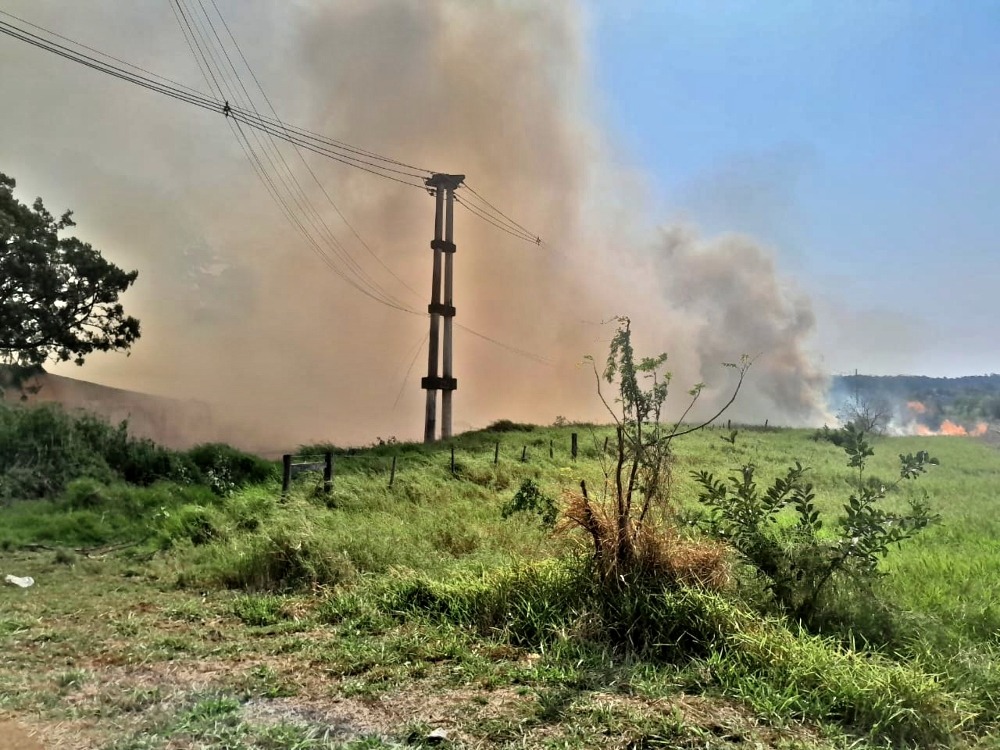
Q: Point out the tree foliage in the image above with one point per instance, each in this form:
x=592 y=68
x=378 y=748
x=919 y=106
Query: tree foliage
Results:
x=58 y=295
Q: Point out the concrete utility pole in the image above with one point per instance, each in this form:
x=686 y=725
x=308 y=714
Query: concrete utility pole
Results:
x=444 y=186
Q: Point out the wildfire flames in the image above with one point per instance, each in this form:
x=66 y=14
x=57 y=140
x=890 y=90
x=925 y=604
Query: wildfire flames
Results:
x=947 y=427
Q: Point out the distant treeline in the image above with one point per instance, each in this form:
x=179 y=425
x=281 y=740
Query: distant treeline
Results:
x=972 y=398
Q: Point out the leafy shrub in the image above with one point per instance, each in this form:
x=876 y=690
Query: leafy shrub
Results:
x=530 y=499
x=225 y=468
x=799 y=561
x=143 y=462
x=825 y=433
x=42 y=448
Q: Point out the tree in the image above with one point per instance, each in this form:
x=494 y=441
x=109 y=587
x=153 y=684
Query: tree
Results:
x=626 y=524
x=58 y=295
x=866 y=413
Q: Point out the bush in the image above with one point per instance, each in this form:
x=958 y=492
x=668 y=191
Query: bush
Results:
x=43 y=448
x=800 y=561
x=225 y=468
x=85 y=494
x=632 y=527
x=530 y=499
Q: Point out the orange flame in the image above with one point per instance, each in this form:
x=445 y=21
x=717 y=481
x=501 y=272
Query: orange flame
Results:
x=950 y=428
x=916 y=407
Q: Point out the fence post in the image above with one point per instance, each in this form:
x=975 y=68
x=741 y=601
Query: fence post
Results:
x=552 y=452
x=286 y=473
x=573 y=444
x=453 y=459
x=496 y=453
x=392 y=471
x=327 y=472
x=605 y=445
x=524 y=454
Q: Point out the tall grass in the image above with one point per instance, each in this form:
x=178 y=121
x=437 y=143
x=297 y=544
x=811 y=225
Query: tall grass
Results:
x=781 y=673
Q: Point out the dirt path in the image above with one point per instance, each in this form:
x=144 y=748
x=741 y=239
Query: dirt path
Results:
x=13 y=737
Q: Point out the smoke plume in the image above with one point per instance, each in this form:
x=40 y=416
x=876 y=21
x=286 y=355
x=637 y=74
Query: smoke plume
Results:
x=236 y=310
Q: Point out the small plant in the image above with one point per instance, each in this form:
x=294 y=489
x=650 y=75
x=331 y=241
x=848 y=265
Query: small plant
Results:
x=530 y=499
x=226 y=469
x=797 y=561
x=634 y=539
x=730 y=438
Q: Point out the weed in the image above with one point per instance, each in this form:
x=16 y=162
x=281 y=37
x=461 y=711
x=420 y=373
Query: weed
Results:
x=530 y=499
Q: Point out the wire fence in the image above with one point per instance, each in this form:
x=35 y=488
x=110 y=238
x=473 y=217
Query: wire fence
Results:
x=389 y=463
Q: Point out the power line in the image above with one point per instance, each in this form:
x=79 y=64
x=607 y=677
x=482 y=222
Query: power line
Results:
x=488 y=220
x=209 y=103
x=326 y=194
x=358 y=158
x=273 y=156
x=515 y=350
x=330 y=148
x=504 y=217
x=205 y=61
x=402 y=385
x=97 y=51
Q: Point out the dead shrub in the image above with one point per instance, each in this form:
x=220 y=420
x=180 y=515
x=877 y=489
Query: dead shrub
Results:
x=647 y=552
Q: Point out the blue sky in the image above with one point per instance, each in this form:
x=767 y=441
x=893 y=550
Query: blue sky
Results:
x=861 y=140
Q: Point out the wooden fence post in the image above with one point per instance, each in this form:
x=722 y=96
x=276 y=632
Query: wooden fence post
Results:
x=552 y=452
x=392 y=471
x=573 y=444
x=286 y=473
x=327 y=472
x=496 y=453
x=605 y=445
x=453 y=459
x=524 y=453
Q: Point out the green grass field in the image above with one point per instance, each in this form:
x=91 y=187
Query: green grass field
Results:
x=171 y=617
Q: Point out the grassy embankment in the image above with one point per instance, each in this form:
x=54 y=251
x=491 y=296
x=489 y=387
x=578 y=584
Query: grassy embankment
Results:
x=374 y=615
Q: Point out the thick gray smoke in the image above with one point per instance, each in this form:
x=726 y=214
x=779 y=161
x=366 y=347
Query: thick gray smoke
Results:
x=239 y=313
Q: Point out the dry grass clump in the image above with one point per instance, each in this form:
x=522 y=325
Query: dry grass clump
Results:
x=629 y=551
